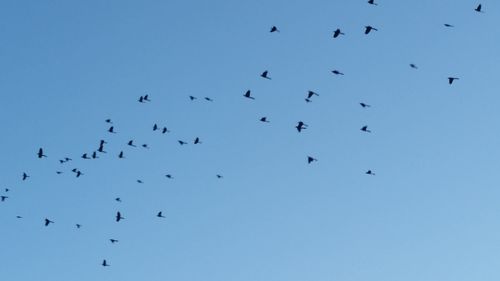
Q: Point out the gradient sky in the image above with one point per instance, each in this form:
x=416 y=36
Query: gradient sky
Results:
x=431 y=212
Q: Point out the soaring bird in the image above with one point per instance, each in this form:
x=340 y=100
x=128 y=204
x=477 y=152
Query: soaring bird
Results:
x=365 y=129
x=160 y=215
x=448 y=25
x=155 y=127
x=208 y=99
x=78 y=174
x=414 y=66
x=311 y=159
x=337 y=33
x=274 y=29
x=182 y=142
x=197 y=140
x=336 y=72
x=165 y=130
x=140 y=181
x=479 y=8
x=310 y=94
x=301 y=126
x=369 y=28
x=47 y=222
x=192 y=97
x=119 y=216
x=108 y=121
x=40 y=153
x=369 y=172
x=169 y=176
x=247 y=95
x=264 y=119
x=364 y=104
x=105 y=263
x=94 y=155
x=3 y=197
x=118 y=199
x=85 y=156
x=25 y=176
x=146 y=98
x=451 y=79
x=219 y=176
x=112 y=130
x=372 y=2
x=131 y=143
x=265 y=75
x=145 y=146
x=121 y=155
x=113 y=241
x=141 y=99
x=78 y=225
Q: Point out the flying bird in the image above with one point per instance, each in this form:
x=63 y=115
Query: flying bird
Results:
x=155 y=127
x=113 y=241
x=365 y=129
x=140 y=181
x=337 y=33
x=182 y=142
x=301 y=126
x=479 y=8
x=265 y=75
x=369 y=28
x=40 y=153
x=197 y=140
x=192 y=97
x=160 y=215
x=3 y=197
x=311 y=159
x=165 y=130
x=451 y=79
x=208 y=99
x=412 y=65
x=247 y=95
x=169 y=176
x=131 y=143
x=85 y=156
x=118 y=199
x=25 y=176
x=112 y=130
x=336 y=72
x=146 y=98
x=94 y=155
x=108 y=121
x=274 y=29
x=105 y=263
x=448 y=25
x=310 y=94
x=119 y=216
x=78 y=225
x=145 y=146
x=121 y=155
x=219 y=176
x=364 y=104
x=264 y=119
x=369 y=172
x=372 y=2
x=47 y=222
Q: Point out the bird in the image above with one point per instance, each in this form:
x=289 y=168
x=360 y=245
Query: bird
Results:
x=59 y=172
x=146 y=98
x=365 y=129
x=219 y=176
x=311 y=159
x=141 y=99
x=145 y=146
x=310 y=94
x=160 y=215
x=105 y=263
x=479 y=8
x=208 y=99
x=301 y=126
x=372 y=2
x=369 y=28
x=165 y=130
x=448 y=25
x=336 y=72
x=25 y=176
x=3 y=197
x=78 y=225
x=108 y=121
x=265 y=75
x=113 y=241
x=94 y=155
x=247 y=95
x=112 y=130
x=369 y=172
x=19 y=217
x=308 y=100
x=451 y=79
x=155 y=127
x=182 y=142
x=337 y=33
x=264 y=119
x=119 y=216
x=192 y=98
x=169 y=176
x=364 y=104
x=78 y=174
x=197 y=140
x=121 y=155
x=131 y=143
x=47 y=222
x=412 y=65
x=85 y=156
x=7 y=190
x=140 y=181
x=274 y=29
x=118 y=199
x=40 y=153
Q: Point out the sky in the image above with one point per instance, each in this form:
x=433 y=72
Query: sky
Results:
x=430 y=212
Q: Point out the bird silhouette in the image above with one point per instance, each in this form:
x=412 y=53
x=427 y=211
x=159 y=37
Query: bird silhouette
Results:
x=219 y=176
x=479 y=8
x=336 y=72
x=105 y=263
x=169 y=176
x=146 y=98
x=301 y=126
x=112 y=130
x=264 y=119
x=337 y=33
x=372 y=2
x=108 y=121
x=165 y=130
x=25 y=176
x=118 y=199
x=40 y=153
x=247 y=95
x=113 y=241
x=369 y=28
x=274 y=29
x=59 y=172
x=310 y=94
x=364 y=104
x=448 y=25
x=311 y=159
x=265 y=75
x=192 y=97
x=131 y=143
x=160 y=215
x=155 y=127
x=208 y=99
x=85 y=156
x=182 y=142
x=119 y=217
x=197 y=141
x=412 y=65
x=94 y=155
x=121 y=155
x=47 y=222
x=145 y=146
x=451 y=79
x=365 y=129
x=78 y=225
x=3 y=197
x=140 y=181
x=369 y=172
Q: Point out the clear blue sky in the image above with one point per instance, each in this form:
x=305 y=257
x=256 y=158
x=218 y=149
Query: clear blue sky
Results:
x=431 y=212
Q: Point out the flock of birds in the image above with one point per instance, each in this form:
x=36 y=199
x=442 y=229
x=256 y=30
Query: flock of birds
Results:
x=301 y=126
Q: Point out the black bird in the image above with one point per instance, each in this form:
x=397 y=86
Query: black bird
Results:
x=182 y=142
x=451 y=79
x=59 y=172
x=412 y=65
x=337 y=33
x=365 y=129
x=247 y=95
x=131 y=143
x=336 y=72
x=112 y=130
x=274 y=29
x=208 y=99
x=311 y=159
x=264 y=119
x=78 y=225
x=369 y=172
x=101 y=149
x=372 y=2
x=139 y=181
x=3 y=197
x=119 y=216
x=310 y=94
x=85 y=156
x=118 y=199
x=25 y=176
x=308 y=100
x=155 y=127
x=78 y=174
x=102 y=142
x=165 y=130
x=301 y=126
x=108 y=121
x=94 y=155
x=265 y=75
x=197 y=140
x=219 y=176
x=19 y=217
x=192 y=97
x=146 y=98
x=113 y=241
x=479 y=8
x=7 y=190
x=40 y=153
x=141 y=99
x=105 y=263
x=169 y=176
x=369 y=28
x=47 y=222
x=145 y=146
x=448 y=25
x=160 y=215
x=121 y=155
x=364 y=104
